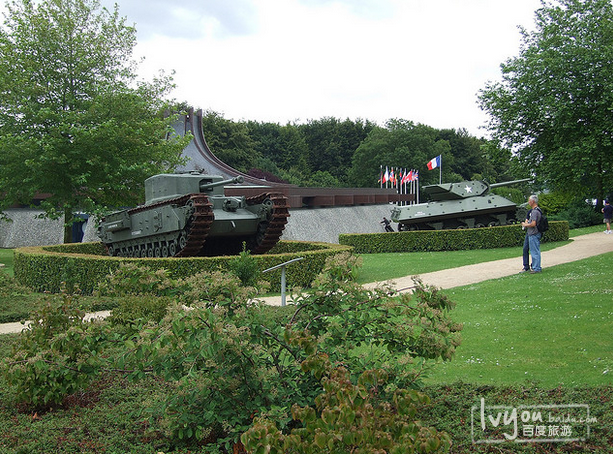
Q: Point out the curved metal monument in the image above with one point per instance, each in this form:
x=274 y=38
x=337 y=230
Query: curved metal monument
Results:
x=467 y=204
x=188 y=215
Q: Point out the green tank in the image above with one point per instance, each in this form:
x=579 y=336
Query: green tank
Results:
x=188 y=214
x=467 y=204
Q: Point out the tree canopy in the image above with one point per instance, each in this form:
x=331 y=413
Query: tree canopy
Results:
x=75 y=123
x=553 y=104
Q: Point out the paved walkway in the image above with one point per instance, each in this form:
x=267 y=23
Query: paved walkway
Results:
x=581 y=247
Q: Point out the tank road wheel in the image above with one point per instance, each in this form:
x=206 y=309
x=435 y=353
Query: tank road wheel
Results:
x=182 y=241
x=172 y=248
x=479 y=225
x=256 y=240
x=157 y=251
x=150 y=251
x=164 y=250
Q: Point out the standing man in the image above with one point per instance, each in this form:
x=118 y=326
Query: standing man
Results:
x=608 y=213
x=533 y=235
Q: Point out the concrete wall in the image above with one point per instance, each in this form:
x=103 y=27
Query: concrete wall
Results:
x=325 y=224
x=28 y=230
x=316 y=224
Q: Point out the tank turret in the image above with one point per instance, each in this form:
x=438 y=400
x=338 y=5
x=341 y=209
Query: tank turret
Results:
x=466 y=204
x=188 y=215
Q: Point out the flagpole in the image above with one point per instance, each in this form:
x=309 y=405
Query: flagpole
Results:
x=440 y=171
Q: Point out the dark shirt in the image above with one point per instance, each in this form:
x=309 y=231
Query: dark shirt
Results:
x=535 y=215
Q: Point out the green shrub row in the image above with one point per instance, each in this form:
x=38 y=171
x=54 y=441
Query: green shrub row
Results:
x=448 y=240
x=83 y=265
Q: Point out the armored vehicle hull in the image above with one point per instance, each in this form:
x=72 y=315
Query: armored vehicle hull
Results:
x=459 y=206
x=189 y=215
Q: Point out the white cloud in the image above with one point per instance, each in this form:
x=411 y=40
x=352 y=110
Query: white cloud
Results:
x=286 y=60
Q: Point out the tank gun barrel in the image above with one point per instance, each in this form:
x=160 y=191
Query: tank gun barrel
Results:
x=236 y=180
x=507 y=183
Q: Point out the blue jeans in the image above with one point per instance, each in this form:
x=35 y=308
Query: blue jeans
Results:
x=526 y=253
x=535 y=250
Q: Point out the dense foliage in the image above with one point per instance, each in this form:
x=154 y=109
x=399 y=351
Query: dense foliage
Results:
x=553 y=105
x=330 y=152
x=76 y=127
x=225 y=362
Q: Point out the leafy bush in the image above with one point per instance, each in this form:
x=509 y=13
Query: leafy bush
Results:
x=224 y=361
x=350 y=418
x=246 y=268
x=579 y=214
x=49 y=268
x=55 y=356
x=229 y=364
x=10 y=287
x=447 y=240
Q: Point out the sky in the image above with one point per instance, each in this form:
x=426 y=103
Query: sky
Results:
x=298 y=60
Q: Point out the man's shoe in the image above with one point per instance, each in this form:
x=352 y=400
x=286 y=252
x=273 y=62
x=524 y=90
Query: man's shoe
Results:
x=524 y=271
x=534 y=272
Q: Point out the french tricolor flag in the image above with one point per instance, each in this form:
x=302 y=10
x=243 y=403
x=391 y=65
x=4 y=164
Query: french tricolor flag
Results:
x=436 y=162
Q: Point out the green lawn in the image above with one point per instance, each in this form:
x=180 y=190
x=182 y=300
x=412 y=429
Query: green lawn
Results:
x=6 y=258
x=551 y=329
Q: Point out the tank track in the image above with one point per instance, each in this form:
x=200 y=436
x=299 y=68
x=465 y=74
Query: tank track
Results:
x=190 y=240
x=197 y=227
x=273 y=228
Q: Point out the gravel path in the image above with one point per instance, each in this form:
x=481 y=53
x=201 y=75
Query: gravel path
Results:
x=581 y=247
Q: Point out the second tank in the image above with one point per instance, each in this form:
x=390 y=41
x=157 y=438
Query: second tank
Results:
x=467 y=204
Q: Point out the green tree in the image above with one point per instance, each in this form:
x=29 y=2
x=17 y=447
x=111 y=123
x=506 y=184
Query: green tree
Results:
x=283 y=145
x=553 y=105
x=74 y=122
x=332 y=143
x=229 y=141
x=401 y=144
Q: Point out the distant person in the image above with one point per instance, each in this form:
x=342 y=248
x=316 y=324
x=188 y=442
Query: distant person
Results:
x=386 y=223
x=608 y=213
x=533 y=235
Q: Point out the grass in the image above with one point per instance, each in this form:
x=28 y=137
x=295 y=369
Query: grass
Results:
x=547 y=329
x=6 y=258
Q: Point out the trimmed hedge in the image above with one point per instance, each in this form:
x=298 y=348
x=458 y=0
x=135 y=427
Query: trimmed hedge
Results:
x=448 y=240
x=83 y=265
